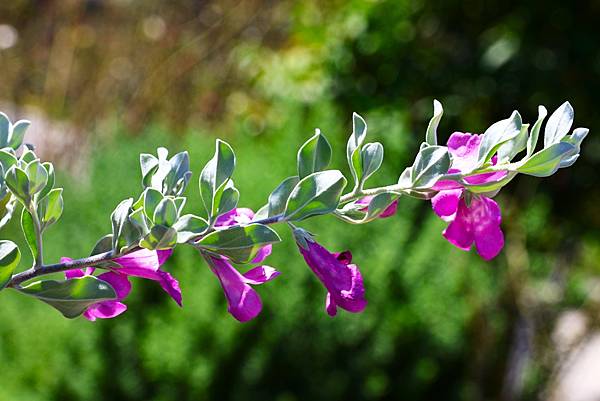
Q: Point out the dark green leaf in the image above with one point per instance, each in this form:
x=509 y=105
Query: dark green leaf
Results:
x=118 y=218
x=29 y=231
x=160 y=237
x=10 y=256
x=71 y=297
x=50 y=208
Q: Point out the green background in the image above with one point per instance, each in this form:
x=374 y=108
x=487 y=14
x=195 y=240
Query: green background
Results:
x=124 y=77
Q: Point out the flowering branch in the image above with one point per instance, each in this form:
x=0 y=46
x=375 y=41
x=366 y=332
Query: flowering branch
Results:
x=460 y=179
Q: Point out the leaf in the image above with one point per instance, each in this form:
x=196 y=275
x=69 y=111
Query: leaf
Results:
x=227 y=199
x=118 y=218
x=535 y=131
x=18 y=133
x=279 y=197
x=319 y=193
x=314 y=155
x=559 y=124
x=545 y=162
x=166 y=213
x=491 y=186
x=50 y=208
x=215 y=175
x=4 y=129
x=29 y=231
x=148 y=165
x=160 y=237
x=138 y=219
x=38 y=177
x=512 y=147
x=239 y=243
x=430 y=164
x=7 y=159
x=574 y=139
x=431 y=134
x=497 y=134
x=10 y=256
x=152 y=198
x=359 y=133
x=103 y=245
x=188 y=227
x=71 y=297
x=371 y=159
x=18 y=183
x=51 y=178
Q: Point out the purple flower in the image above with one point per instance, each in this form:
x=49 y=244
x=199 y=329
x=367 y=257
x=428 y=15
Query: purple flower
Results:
x=388 y=212
x=342 y=279
x=244 y=302
x=243 y=215
x=143 y=263
x=477 y=221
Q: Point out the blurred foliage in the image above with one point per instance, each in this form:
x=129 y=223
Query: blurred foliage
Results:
x=441 y=324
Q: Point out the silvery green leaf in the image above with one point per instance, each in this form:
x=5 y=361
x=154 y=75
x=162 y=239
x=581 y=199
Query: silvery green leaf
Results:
x=51 y=179
x=423 y=194
x=152 y=197
x=559 y=124
x=160 y=237
x=239 y=243
x=405 y=180
x=7 y=207
x=215 y=175
x=118 y=218
x=38 y=177
x=28 y=154
x=497 y=134
x=18 y=182
x=188 y=227
x=359 y=133
x=371 y=159
x=7 y=159
x=314 y=155
x=138 y=219
x=545 y=162
x=166 y=213
x=4 y=130
x=319 y=193
x=430 y=164
x=17 y=133
x=227 y=199
x=50 y=208
x=179 y=174
x=71 y=297
x=431 y=135
x=149 y=165
x=10 y=256
x=180 y=203
x=29 y=231
x=279 y=197
x=574 y=139
x=103 y=245
x=535 y=131
x=511 y=148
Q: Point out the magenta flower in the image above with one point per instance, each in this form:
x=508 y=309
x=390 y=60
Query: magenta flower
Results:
x=143 y=263
x=342 y=279
x=477 y=221
x=244 y=302
x=243 y=215
x=388 y=212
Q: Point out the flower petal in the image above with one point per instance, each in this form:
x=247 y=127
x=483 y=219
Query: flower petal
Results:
x=459 y=232
x=139 y=263
x=445 y=203
x=260 y=275
x=104 y=310
x=244 y=302
x=240 y=215
x=170 y=285
x=119 y=282
x=262 y=253
x=330 y=306
x=489 y=239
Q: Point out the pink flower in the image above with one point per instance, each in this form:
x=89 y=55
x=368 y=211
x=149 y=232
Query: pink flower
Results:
x=479 y=220
x=244 y=302
x=243 y=215
x=342 y=279
x=388 y=212
x=143 y=263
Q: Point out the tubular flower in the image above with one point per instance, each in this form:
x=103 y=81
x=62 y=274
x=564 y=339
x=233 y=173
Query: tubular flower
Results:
x=243 y=215
x=243 y=300
x=477 y=221
x=342 y=279
x=143 y=263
